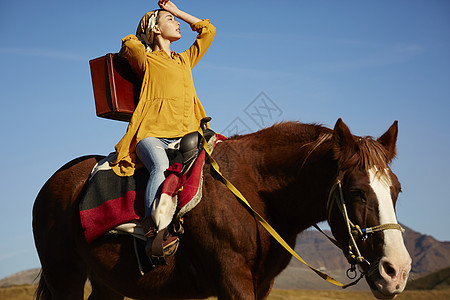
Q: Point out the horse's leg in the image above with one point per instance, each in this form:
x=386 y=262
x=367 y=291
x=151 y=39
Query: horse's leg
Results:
x=232 y=233
x=56 y=228
x=101 y=291
x=65 y=282
x=237 y=281
x=64 y=272
x=264 y=290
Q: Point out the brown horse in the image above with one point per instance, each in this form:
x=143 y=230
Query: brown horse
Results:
x=286 y=172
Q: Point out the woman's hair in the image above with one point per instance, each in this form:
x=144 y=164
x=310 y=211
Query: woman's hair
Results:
x=144 y=31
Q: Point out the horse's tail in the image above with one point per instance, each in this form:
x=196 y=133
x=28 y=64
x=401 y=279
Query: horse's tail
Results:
x=42 y=291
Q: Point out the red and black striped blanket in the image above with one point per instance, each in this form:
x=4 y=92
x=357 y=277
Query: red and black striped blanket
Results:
x=110 y=200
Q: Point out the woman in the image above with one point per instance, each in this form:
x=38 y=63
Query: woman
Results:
x=168 y=106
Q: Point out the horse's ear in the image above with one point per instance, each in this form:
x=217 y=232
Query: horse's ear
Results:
x=344 y=143
x=389 y=140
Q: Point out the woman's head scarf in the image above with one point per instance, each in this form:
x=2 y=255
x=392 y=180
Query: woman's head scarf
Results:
x=144 y=32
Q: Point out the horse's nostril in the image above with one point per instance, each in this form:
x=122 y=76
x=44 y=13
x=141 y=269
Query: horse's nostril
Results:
x=389 y=270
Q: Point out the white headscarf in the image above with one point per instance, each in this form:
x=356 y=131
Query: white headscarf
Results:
x=144 y=32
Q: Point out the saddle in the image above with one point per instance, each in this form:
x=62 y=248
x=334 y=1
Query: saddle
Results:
x=186 y=150
x=110 y=201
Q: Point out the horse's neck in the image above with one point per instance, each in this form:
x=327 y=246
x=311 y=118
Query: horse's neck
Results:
x=293 y=181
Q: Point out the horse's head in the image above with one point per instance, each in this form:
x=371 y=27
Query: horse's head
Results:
x=361 y=209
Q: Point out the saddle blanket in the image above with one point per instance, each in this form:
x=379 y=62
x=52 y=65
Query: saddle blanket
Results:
x=110 y=200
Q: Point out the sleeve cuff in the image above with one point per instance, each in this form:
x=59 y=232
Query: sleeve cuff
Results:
x=199 y=25
x=130 y=37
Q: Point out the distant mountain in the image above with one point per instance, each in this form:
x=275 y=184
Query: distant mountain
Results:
x=20 y=278
x=435 y=281
x=428 y=254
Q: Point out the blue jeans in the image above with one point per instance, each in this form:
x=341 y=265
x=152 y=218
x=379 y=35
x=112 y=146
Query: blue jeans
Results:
x=152 y=153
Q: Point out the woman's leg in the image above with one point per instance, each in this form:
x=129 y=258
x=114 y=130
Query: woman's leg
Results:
x=152 y=153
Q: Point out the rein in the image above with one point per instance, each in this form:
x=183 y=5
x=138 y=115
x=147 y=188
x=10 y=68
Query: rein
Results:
x=265 y=224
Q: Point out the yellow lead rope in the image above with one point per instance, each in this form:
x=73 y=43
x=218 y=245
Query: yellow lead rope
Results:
x=264 y=223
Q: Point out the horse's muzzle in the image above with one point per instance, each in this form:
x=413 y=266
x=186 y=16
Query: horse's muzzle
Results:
x=387 y=280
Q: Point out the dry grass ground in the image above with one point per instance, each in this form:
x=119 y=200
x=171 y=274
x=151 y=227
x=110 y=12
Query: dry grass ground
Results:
x=26 y=292
x=337 y=295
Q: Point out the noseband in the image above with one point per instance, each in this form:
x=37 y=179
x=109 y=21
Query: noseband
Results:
x=355 y=232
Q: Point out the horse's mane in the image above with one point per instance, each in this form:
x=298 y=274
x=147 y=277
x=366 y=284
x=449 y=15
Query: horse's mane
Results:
x=367 y=154
x=294 y=130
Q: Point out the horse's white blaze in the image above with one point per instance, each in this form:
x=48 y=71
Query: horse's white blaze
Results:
x=395 y=263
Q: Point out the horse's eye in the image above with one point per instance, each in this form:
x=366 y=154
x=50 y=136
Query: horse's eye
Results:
x=355 y=194
x=358 y=195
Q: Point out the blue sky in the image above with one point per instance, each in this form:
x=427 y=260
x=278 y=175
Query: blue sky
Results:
x=367 y=62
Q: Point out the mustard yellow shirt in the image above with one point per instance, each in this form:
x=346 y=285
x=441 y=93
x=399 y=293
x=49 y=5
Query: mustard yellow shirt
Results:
x=168 y=104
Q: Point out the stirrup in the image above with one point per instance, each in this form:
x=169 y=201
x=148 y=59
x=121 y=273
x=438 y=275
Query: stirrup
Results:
x=161 y=246
x=164 y=244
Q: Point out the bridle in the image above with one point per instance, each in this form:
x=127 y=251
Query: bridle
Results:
x=355 y=232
